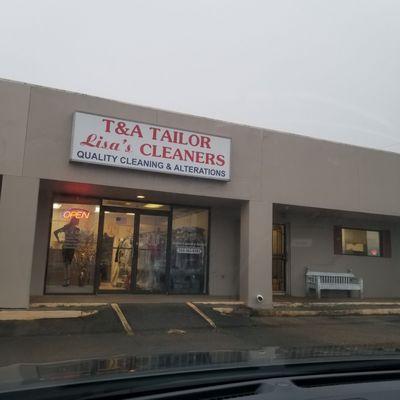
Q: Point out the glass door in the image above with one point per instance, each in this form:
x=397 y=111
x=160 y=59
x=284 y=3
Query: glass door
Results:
x=133 y=250
x=116 y=250
x=151 y=261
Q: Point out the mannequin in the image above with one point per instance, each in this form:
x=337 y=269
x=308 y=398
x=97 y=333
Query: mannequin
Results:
x=121 y=261
x=69 y=245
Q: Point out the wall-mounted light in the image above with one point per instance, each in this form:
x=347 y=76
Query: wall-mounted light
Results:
x=56 y=206
x=140 y=196
x=151 y=205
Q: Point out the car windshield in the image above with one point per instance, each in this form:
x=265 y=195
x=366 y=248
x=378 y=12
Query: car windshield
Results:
x=197 y=186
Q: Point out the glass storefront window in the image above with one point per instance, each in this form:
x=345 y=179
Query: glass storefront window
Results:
x=72 y=248
x=189 y=250
x=152 y=253
x=133 y=250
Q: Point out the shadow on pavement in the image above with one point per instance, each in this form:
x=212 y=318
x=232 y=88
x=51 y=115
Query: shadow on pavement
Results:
x=104 y=321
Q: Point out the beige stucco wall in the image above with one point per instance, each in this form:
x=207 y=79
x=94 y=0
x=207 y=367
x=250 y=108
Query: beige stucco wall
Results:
x=41 y=242
x=224 y=252
x=315 y=173
x=267 y=167
x=14 y=105
x=18 y=205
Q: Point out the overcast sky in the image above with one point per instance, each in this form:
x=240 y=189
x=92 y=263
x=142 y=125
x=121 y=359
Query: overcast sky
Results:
x=327 y=69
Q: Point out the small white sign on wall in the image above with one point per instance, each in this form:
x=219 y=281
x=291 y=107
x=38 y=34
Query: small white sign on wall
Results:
x=301 y=242
x=121 y=143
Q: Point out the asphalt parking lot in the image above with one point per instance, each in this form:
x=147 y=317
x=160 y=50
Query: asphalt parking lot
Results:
x=168 y=328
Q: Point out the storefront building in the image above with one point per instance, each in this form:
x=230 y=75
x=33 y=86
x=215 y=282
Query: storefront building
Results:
x=103 y=197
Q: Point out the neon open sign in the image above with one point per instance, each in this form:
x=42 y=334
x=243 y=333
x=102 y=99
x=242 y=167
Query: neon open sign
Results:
x=78 y=213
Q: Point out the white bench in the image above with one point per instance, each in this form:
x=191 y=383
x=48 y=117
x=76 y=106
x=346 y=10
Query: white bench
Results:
x=332 y=281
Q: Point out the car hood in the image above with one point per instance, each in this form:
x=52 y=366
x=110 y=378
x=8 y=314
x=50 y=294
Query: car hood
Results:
x=24 y=376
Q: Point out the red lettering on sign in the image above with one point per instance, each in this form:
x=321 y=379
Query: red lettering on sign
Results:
x=189 y=155
x=154 y=132
x=194 y=140
x=166 y=136
x=166 y=152
x=97 y=141
x=199 y=157
x=108 y=124
x=205 y=142
x=220 y=160
x=77 y=213
x=143 y=149
x=210 y=158
x=136 y=129
x=90 y=141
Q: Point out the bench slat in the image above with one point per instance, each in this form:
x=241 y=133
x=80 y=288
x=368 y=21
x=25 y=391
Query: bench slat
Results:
x=342 y=274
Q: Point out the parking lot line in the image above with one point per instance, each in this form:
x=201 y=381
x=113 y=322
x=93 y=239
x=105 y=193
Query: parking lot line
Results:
x=128 y=329
x=197 y=309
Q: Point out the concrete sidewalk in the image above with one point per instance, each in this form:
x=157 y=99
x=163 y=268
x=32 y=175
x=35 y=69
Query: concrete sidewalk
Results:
x=128 y=298
x=298 y=307
x=31 y=315
x=283 y=299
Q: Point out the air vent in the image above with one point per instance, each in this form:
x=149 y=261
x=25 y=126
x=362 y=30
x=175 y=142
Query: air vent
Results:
x=231 y=392
x=346 y=379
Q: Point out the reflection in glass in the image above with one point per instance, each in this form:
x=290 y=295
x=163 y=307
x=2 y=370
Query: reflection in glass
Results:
x=152 y=252
x=189 y=250
x=72 y=248
x=116 y=251
x=136 y=204
x=361 y=242
x=373 y=243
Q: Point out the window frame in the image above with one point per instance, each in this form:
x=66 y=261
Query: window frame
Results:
x=384 y=242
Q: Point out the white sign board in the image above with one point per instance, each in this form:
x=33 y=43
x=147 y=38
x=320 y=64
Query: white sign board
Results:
x=129 y=144
x=301 y=242
x=189 y=250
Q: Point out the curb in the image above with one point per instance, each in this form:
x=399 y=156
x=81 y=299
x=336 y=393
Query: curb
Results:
x=31 y=315
x=334 y=304
x=66 y=305
x=311 y=313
